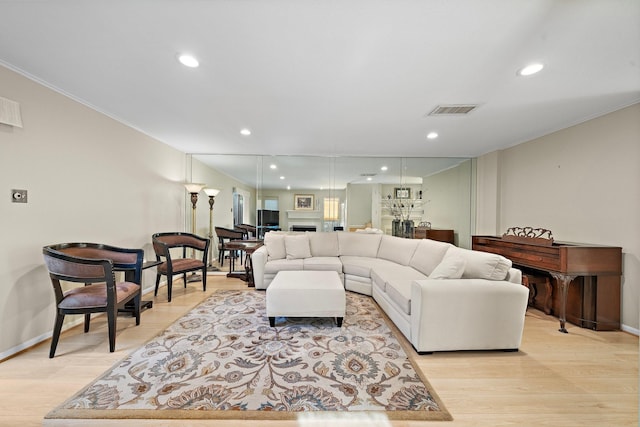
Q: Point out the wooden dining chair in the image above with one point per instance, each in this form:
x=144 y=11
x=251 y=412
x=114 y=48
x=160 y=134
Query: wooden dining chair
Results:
x=250 y=230
x=225 y=235
x=180 y=262
x=93 y=265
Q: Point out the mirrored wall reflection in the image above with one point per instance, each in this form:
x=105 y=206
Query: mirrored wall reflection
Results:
x=348 y=193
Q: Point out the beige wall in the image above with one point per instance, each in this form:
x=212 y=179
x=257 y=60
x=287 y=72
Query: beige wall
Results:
x=583 y=183
x=89 y=178
x=488 y=186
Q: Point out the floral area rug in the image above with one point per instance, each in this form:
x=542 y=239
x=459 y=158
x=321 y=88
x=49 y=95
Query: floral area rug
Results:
x=223 y=361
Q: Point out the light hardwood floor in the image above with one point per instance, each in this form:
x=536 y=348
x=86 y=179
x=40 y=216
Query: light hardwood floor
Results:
x=583 y=378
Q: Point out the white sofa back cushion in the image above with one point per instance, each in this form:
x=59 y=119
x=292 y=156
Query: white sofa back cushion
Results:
x=481 y=265
x=397 y=250
x=451 y=267
x=323 y=244
x=428 y=255
x=297 y=246
x=274 y=242
x=358 y=244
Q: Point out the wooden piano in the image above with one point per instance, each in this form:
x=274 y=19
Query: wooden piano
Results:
x=585 y=278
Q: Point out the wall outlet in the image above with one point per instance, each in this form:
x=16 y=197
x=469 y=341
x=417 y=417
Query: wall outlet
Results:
x=19 y=196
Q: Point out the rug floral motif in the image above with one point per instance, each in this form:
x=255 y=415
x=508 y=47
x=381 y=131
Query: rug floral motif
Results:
x=222 y=360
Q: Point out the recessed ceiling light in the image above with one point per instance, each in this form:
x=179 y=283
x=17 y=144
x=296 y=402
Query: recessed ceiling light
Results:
x=282 y=177
x=288 y=187
x=273 y=166
x=530 y=69
x=384 y=168
x=432 y=135
x=188 y=61
x=245 y=132
x=369 y=178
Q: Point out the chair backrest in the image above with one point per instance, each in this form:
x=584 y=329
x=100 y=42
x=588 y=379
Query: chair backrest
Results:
x=180 y=239
x=245 y=233
x=71 y=268
x=121 y=258
x=226 y=233
x=250 y=230
x=163 y=242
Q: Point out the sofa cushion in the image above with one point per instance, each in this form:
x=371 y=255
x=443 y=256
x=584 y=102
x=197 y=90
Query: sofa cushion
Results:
x=283 y=265
x=359 y=279
x=297 y=246
x=428 y=255
x=322 y=263
x=397 y=249
x=481 y=265
x=379 y=285
x=359 y=244
x=449 y=268
x=397 y=281
x=360 y=266
x=323 y=244
x=400 y=294
x=274 y=242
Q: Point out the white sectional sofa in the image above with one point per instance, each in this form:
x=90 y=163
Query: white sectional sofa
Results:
x=440 y=297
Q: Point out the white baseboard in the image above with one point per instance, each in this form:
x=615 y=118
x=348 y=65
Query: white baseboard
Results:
x=630 y=330
x=37 y=340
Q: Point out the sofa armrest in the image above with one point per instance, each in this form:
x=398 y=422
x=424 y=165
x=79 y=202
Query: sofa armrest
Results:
x=514 y=276
x=258 y=261
x=467 y=314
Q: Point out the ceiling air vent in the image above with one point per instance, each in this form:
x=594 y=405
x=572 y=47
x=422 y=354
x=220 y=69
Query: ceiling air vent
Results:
x=365 y=175
x=453 y=110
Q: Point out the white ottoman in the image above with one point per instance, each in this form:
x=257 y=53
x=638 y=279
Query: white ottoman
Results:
x=306 y=294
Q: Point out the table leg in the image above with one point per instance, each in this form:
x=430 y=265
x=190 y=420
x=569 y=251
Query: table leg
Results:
x=132 y=275
x=242 y=275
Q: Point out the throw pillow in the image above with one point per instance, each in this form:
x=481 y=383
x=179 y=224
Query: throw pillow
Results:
x=482 y=265
x=451 y=267
x=428 y=255
x=275 y=245
x=297 y=246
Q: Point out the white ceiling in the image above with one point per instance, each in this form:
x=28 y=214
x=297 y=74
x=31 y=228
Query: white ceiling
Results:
x=332 y=77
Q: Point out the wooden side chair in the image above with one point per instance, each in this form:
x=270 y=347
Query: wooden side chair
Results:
x=250 y=230
x=178 y=262
x=93 y=265
x=227 y=234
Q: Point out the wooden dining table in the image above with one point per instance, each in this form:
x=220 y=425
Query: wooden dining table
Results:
x=249 y=247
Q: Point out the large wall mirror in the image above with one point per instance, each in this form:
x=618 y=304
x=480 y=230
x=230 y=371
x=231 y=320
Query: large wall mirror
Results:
x=348 y=193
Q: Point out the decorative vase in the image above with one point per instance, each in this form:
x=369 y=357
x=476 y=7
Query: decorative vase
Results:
x=407 y=229
x=396 y=228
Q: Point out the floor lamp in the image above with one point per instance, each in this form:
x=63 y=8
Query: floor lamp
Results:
x=212 y=193
x=193 y=189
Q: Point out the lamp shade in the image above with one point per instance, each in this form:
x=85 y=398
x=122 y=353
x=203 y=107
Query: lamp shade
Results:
x=193 y=187
x=211 y=192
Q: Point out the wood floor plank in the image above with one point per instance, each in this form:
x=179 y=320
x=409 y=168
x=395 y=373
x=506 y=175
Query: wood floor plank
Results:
x=584 y=378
